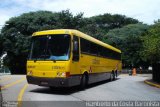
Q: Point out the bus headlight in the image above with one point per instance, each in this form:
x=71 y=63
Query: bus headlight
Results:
x=63 y=74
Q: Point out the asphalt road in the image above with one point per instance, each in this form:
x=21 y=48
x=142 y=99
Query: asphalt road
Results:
x=125 y=88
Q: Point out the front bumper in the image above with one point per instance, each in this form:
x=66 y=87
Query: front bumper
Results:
x=54 y=82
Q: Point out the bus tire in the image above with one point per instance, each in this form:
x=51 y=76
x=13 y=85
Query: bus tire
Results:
x=116 y=74
x=112 y=76
x=83 y=83
x=52 y=88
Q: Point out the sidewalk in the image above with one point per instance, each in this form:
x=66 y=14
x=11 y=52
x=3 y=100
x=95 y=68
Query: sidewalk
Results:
x=152 y=83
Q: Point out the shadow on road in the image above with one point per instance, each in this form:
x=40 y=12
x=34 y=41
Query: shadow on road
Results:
x=68 y=91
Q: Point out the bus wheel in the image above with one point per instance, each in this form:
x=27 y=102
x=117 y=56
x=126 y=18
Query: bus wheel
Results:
x=112 y=77
x=83 y=81
x=116 y=74
x=52 y=88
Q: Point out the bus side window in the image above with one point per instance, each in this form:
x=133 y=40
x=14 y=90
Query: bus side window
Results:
x=75 y=48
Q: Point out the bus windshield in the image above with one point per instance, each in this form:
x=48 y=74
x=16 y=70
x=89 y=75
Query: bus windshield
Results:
x=50 y=47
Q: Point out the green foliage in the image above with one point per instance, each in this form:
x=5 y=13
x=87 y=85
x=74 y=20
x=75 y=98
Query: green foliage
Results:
x=99 y=25
x=108 y=21
x=151 y=50
x=92 y=29
x=151 y=44
x=1 y=44
x=128 y=39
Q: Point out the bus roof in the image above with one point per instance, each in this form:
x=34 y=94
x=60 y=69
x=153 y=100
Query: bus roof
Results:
x=77 y=33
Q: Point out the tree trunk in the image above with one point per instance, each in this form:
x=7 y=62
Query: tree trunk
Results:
x=18 y=69
x=156 y=72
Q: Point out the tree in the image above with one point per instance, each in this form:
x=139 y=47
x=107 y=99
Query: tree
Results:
x=108 y=21
x=1 y=47
x=16 y=35
x=98 y=26
x=92 y=29
x=128 y=39
x=151 y=50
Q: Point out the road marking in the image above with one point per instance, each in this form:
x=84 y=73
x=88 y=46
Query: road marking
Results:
x=13 y=83
x=20 y=96
x=5 y=79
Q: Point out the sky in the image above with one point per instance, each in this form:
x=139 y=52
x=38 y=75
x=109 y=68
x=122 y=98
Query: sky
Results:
x=146 y=11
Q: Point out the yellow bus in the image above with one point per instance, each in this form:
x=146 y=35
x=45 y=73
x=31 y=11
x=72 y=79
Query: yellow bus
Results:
x=67 y=57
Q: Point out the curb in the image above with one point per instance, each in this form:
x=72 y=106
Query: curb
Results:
x=1 y=74
x=152 y=84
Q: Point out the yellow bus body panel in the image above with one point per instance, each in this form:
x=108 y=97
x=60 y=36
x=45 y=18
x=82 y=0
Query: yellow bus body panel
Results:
x=48 y=69
x=94 y=64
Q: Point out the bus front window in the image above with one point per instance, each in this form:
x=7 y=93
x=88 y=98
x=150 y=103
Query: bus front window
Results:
x=50 y=47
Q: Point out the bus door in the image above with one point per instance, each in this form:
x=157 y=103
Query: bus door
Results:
x=75 y=66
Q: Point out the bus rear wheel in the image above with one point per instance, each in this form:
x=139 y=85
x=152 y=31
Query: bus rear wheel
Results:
x=112 y=76
x=83 y=83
